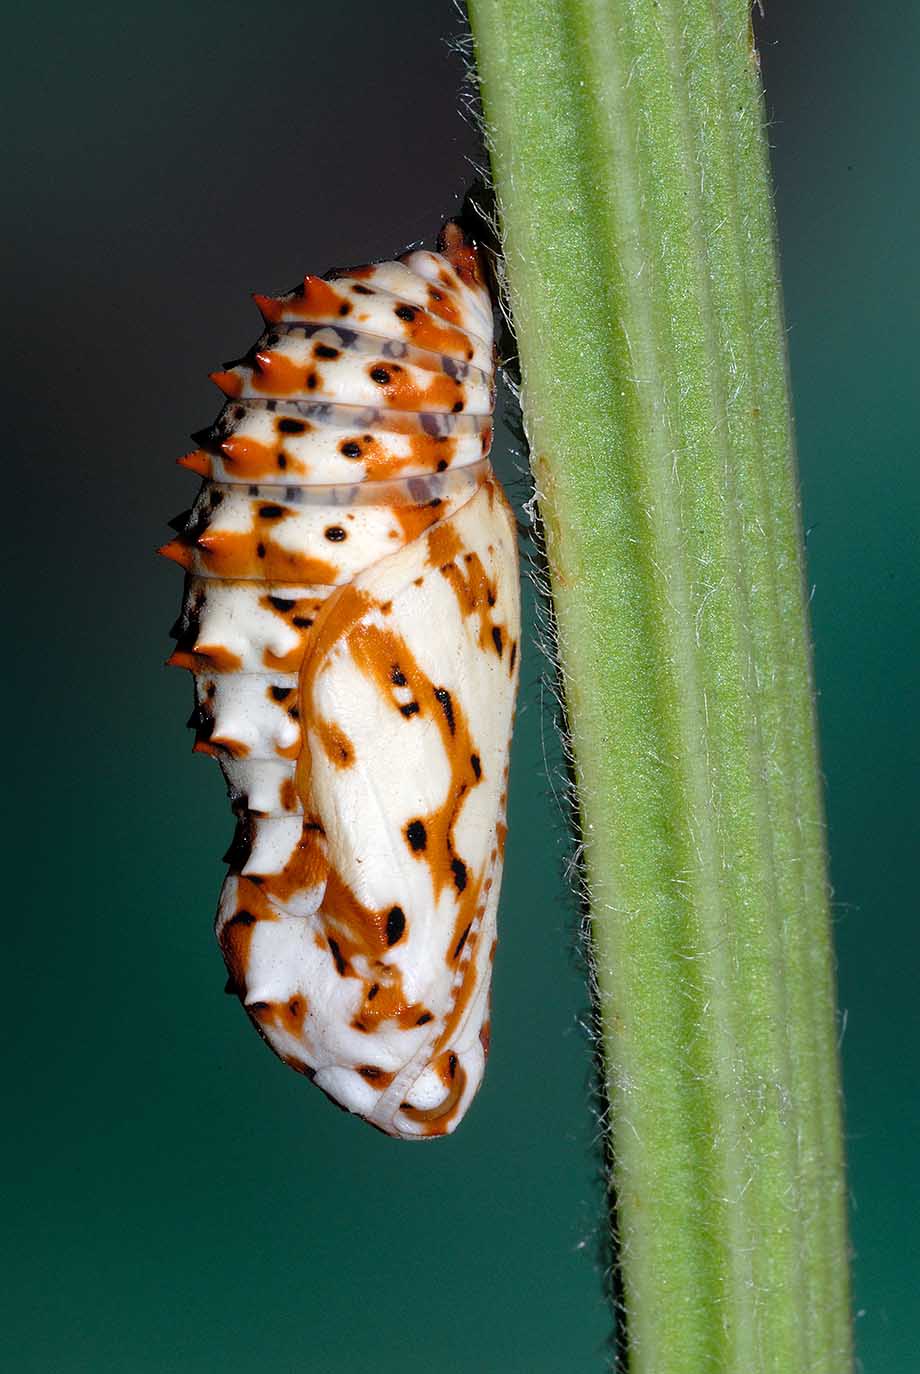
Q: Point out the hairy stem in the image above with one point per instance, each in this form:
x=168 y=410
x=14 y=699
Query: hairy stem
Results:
x=632 y=179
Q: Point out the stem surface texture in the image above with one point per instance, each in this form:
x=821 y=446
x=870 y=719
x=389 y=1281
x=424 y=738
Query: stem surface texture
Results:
x=631 y=171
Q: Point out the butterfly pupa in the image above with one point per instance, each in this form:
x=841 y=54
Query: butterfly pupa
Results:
x=351 y=620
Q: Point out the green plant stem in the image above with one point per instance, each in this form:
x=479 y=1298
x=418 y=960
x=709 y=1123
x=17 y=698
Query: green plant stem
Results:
x=632 y=179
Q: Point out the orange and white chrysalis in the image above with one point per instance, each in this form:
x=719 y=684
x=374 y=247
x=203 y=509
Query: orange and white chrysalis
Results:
x=352 y=622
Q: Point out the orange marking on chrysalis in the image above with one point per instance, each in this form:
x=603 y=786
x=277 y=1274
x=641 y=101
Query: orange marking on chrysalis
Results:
x=414 y=520
x=218 y=658
x=288 y=1016
x=283 y=663
x=230 y=383
x=385 y=1000
x=307 y=867
x=462 y=256
x=380 y=1078
x=444 y=304
x=402 y=392
x=270 y=308
x=319 y=299
x=338 y=747
x=253 y=554
x=462 y=998
x=177 y=551
x=179 y=659
x=475 y=592
x=212 y=657
x=292 y=1013
x=219 y=744
x=197 y=461
x=236 y=935
x=362 y=926
x=275 y=374
x=426 y=332
x=343 y=609
x=440 y=1116
x=443 y=545
x=252 y=460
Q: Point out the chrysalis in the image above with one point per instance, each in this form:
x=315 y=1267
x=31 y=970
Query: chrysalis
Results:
x=351 y=618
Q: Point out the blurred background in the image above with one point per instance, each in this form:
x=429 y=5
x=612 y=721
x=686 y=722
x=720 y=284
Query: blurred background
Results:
x=177 y=1199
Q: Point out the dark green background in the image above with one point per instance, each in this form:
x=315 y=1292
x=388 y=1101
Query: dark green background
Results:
x=180 y=1201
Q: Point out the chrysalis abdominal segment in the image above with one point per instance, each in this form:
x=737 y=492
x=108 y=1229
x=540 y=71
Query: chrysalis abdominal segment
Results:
x=351 y=619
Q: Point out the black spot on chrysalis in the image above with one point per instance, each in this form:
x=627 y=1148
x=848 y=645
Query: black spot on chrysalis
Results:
x=417 y=836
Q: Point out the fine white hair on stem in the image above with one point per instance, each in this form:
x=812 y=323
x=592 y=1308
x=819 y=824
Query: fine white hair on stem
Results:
x=549 y=689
